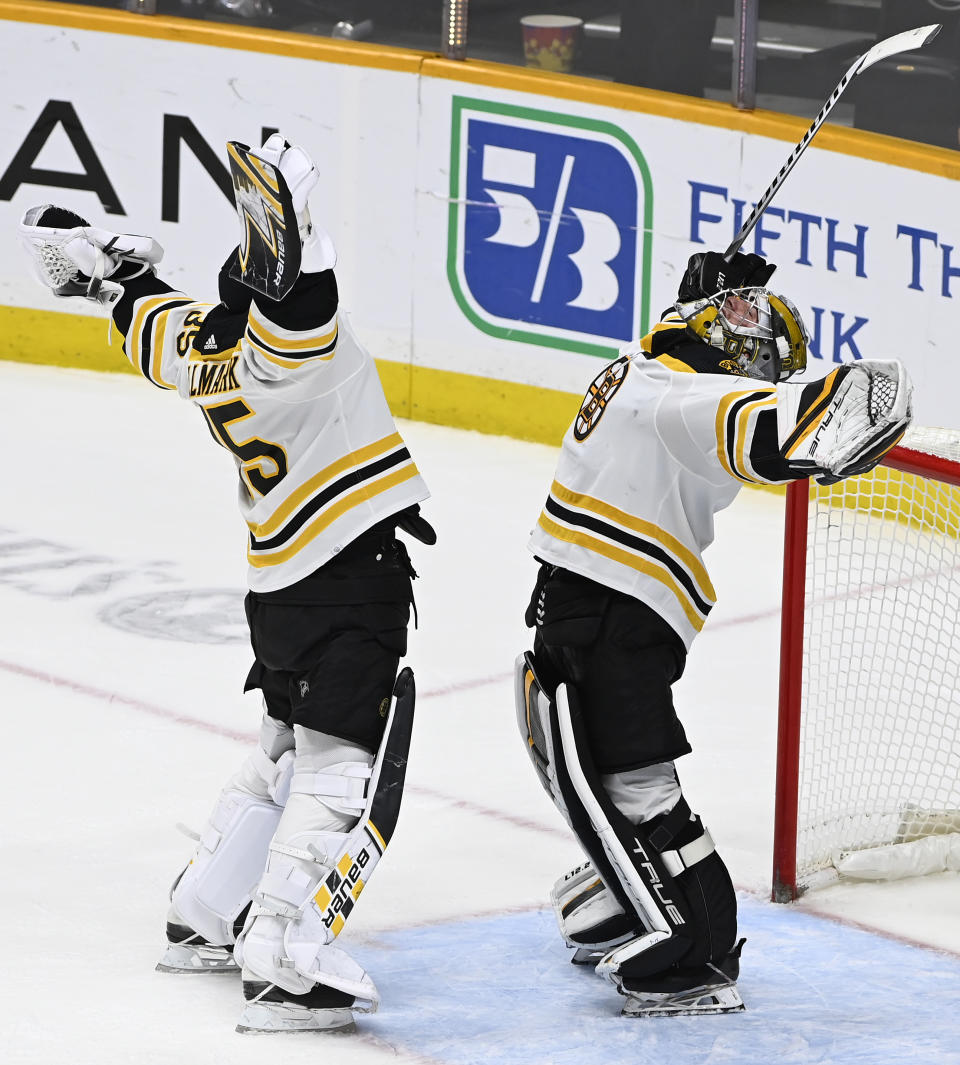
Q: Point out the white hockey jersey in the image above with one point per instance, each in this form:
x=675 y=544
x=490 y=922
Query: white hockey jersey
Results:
x=304 y=415
x=654 y=453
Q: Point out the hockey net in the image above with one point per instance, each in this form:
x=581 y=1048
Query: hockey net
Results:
x=868 y=760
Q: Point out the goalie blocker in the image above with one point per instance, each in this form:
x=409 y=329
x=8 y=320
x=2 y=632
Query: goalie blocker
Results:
x=655 y=896
x=271 y=186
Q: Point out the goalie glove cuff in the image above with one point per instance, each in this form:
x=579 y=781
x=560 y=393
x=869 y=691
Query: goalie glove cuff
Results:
x=847 y=422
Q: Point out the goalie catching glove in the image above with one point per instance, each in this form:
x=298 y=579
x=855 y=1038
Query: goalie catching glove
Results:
x=73 y=258
x=845 y=424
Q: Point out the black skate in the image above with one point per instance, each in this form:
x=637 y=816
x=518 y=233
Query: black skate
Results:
x=188 y=952
x=685 y=990
x=268 y=1008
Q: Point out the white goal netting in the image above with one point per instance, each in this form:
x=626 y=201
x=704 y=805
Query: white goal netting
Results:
x=880 y=715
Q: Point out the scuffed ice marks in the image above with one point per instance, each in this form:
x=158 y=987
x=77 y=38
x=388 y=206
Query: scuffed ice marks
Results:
x=195 y=615
x=149 y=599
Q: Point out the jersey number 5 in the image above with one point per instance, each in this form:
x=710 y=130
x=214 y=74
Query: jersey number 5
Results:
x=257 y=457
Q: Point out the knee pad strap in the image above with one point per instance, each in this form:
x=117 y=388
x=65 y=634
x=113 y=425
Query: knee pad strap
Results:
x=684 y=857
x=343 y=786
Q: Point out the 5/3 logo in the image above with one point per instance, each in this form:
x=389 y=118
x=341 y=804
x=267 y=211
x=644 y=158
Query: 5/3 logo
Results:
x=549 y=236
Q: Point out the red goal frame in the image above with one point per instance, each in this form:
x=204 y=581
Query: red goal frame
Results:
x=906 y=460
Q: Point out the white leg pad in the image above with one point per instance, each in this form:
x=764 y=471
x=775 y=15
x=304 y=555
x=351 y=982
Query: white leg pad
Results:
x=220 y=879
x=327 y=794
x=341 y=815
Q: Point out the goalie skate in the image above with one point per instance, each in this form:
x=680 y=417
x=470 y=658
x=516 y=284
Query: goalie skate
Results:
x=684 y=992
x=188 y=952
x=197 y=957
x=269 y=1008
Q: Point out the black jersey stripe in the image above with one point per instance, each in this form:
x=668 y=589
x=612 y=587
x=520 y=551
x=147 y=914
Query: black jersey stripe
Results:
x=635 y=543
x=813 y=415
x=340 y=487
x=146 y=338
x=730 y=443
x=291 y=355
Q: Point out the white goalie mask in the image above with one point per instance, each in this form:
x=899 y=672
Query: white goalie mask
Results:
x=758 y=334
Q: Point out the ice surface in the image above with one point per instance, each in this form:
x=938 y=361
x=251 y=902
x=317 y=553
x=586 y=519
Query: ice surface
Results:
x=120 y=527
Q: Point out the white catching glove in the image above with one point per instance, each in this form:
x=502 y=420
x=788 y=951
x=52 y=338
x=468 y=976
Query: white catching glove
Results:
x=868 y=410
x=72 y=258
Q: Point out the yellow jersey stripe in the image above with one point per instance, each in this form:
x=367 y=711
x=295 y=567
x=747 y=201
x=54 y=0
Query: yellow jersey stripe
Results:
x=638 y=525
x=287 y=364
x=156 y=359
x=674 y=364
x=328 y=473
x=744 y=418
x=331 y=514
x=625 y=558
x=136 y=326
x=720 y=427
x=261 y=332
x=814 y=416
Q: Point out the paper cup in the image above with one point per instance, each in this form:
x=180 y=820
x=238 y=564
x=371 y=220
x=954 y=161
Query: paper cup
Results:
x=550 y=42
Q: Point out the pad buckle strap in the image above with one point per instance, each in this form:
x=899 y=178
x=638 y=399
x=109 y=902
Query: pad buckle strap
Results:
x=691 y=853
x=292 y=890
x=677 y=819
x=210 y=838
x=292 y=852
x=348 y=785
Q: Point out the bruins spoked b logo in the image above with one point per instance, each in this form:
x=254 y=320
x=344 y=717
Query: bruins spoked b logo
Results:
x=602 y=389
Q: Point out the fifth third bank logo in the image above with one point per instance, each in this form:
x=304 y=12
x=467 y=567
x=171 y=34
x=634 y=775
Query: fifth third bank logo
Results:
x=550 y=227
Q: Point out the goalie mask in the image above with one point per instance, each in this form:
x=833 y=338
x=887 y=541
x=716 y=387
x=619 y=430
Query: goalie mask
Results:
x=758 y=334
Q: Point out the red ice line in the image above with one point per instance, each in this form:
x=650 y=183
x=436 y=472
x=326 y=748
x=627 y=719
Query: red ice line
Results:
x=451 y=801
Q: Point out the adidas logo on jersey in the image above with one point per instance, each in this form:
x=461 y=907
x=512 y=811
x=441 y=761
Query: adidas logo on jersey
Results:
x=211 y=343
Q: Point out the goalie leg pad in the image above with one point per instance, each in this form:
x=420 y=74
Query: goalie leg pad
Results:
x=588 y=915
x=339 y=820
x=683 y=854
x=217 y=884
x=557 y=745
x=533 y=719
x=634 y=873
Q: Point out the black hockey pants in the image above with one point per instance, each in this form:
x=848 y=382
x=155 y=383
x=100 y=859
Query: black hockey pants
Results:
x=328 y=647
x=622 y=658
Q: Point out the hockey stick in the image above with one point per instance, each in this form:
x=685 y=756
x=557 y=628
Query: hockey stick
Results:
x=900 y=42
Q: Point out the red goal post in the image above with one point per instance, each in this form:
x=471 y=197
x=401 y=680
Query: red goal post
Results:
x=868 y=748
